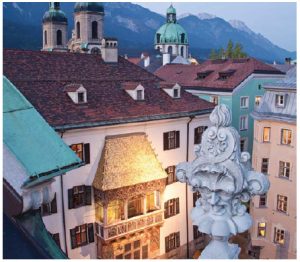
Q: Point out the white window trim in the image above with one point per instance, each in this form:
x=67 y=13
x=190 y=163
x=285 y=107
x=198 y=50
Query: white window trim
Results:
x=277 y=102
x=246 y=123
x=255 y=105
x=247 y=101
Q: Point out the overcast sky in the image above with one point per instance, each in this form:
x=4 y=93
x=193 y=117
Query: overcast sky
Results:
x=275 y=21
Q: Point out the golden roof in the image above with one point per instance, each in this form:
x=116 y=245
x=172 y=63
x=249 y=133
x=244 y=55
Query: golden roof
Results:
x=127 y=160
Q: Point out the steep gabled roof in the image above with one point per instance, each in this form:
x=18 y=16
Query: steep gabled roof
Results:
x=240 y=69
x=42 y=76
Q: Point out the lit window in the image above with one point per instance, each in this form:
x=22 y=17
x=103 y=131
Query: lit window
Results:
x=286 y=136
x=282 y=203
x=279 y=236
x=152 y=200
x=266 y=134
x=82 y=151
x=243 y=123
x=135 y=207
x=244 y=103
x=280 y=100
x=257 y=100
x=243 y=144
x=261 y=229
x=284 y=169
x=171 y=140
x=115 y=211
x=214 y=100
x=198 y=132
x=263 y=200
x=171 y=175
x=265 y=165
x=172 y=241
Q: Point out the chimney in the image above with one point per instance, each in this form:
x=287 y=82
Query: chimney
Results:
x=109 y=50
x=147 y=61
x=166 y=59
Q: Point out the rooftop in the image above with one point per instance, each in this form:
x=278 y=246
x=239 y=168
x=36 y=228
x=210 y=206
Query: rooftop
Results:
x=42 y=77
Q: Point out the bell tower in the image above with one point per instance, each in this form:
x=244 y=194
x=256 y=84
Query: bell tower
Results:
x=55 y=25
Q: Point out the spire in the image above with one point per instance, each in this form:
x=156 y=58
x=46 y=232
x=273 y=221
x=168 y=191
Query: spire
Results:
x=54 y=5
x=171 y=14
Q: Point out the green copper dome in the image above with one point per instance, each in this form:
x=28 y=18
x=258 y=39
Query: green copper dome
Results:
x=91 y=7
x=54 y=14
x=171 y=32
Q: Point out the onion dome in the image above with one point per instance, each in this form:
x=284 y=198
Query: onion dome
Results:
x=171 y=32
x=54 y=14
x=89 y=7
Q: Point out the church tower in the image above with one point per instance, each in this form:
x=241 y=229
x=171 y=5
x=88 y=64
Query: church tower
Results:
x=88 y=32
x=55 y=25
x=171 y=38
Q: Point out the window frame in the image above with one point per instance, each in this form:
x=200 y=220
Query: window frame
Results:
x=171 y=140
x=284 y=169
x=176 y=95
x=269 y=135
x=172 y=207
x=172 y=241
x=82 y=235
x=246 y=123
x=263 y=168
x=257 y=101
x=279 y=235
x=282 y=203
x=84 y=154
x=139 y=95
x=198 y=133
x=214 y=100
x=260 y=228
x=246 y=102
x=94 y=30
x=171 y=172
x=263 y=201
x=83 y=196
x=288 y=139
x=245 y=140
x=278 y=101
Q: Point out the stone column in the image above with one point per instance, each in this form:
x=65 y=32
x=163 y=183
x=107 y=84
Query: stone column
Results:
x=224 y=177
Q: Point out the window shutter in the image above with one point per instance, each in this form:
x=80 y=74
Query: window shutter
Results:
x=87 y=153
x=73 y=238
x=166 y=209
x=177 y=205
x=167 y=244
x=70 y=198
x=177 y=138
x=166 y=142
x=178 y=239
x=54 y=205
x=88 y=195
x=91 y=232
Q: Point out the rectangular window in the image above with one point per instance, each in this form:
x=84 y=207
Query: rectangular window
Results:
x=81 y=97
x=266 y=134
x=214 y=100
x=171 y=140
x=145 y=252
x=243 y=122
x=139 y=94
x=244 y=144
x=80 y=196
x=82 y=151
x=261 y=229
x=282 y=203
x=265 y=165
x=56 y=239
x=198 y=132
x=284 y=169
x=82 y=235
x=152 y=200
x=50 y=208
x=171 y=174
x=263 y=200
x=176 y=93
x=244 y=102
x=286 y=136
x=172 y=207
x=278 y=236
x=115 y=211
x=172 y=241
x=280 y=100
x=257 y=100
x=135 y=207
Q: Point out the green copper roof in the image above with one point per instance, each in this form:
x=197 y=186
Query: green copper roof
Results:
x=89 y=7
x=171 y=33
x=171 y=10
x=55 y=15
x=34 y=143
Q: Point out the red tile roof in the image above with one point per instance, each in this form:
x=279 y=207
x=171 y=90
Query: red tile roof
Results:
x=42 y=76
x=134 y=60
x=130 y=85
x=237 y=69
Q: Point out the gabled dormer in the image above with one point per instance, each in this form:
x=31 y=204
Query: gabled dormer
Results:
x=135 y=90
x=224 y=75
x=173 y=90
x=77 y=93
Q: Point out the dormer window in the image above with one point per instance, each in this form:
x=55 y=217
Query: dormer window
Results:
x=139 y=94
x=135 y=90
x=280 y=100
x=226 y=74
x=203 y=75
x=77 y=93
x=171 y=89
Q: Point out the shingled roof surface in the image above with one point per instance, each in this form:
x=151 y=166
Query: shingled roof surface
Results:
x=186 y=75
x=42 y=77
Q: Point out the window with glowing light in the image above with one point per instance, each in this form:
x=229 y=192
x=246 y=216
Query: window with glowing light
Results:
x=266 y=134
x=135 y=207
x=284 y=169
x=115 y=211
x=99 y=212
x=152 y=200
x=282 y=203
x=278 y=236
x=82 y=151
x=257 y=100
x=261 y=229
x=286 y=137
x=50 y=208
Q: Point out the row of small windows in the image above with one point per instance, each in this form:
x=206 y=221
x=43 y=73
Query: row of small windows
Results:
x=182 y=38
x=58 y=37
x=281 y=202
x=279 y=234
x=285 y=137
x=94 y=30
x=283 y=170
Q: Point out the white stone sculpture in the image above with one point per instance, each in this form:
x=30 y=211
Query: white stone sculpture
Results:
x=223 y=176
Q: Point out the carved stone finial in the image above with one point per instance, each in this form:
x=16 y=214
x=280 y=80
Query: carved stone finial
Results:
x=223 y=176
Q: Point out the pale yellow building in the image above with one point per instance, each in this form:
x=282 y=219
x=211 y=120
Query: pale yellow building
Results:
x=274 y=231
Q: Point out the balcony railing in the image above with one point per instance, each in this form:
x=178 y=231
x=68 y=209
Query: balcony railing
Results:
x=129 y=225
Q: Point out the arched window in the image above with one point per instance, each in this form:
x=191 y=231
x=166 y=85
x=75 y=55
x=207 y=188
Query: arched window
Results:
x=181 y=51
x=182 y=38
x=170 y=50
x=58 y=37
x=158 y=38
x=94 y=30
x=78 y=30
x=45 y=37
